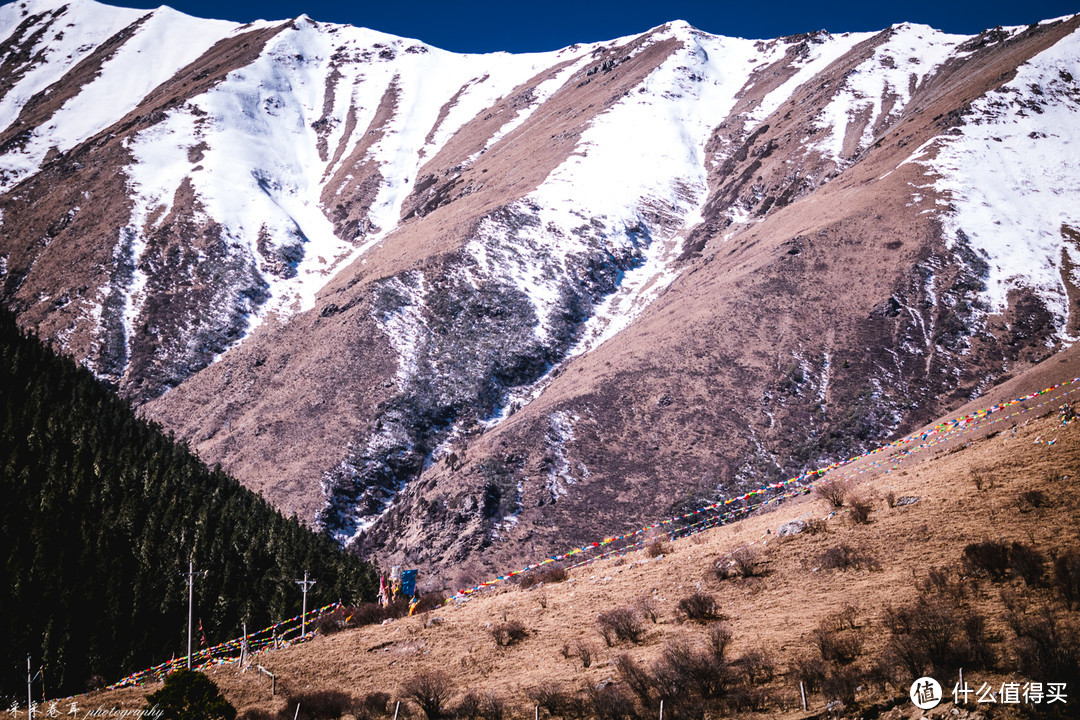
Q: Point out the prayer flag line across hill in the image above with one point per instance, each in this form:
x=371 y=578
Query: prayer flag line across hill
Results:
x=270 y=637
x=940 y=433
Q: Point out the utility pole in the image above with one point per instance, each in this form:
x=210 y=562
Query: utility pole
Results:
x=190 y=605
x=305 y=584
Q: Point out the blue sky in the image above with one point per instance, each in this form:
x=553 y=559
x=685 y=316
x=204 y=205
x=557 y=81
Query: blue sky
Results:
x=487 y=25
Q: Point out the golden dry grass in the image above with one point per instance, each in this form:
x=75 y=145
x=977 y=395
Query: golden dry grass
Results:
x=776 y=613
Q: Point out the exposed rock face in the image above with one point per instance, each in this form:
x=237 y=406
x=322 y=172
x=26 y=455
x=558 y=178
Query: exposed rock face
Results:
x=466 y=309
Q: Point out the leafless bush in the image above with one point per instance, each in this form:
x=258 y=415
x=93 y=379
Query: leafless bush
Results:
x=747 y=562
x=701 y=674
x=844 y=556
x=428 y=602
x=481 y=706
x=758 y=666
x=621 y=624
x=640 y=682
x=611 y=702
x=553 y=697
x=1067 y=576
x=1030 y=500
x=1027 y=562
x=547 y=576
x=842 y=619
x=981 y=478
x=860 y=510
x=373 y=704
x=808 y=670
x=508 y=633
x=835 y=646
x=817 y=526
x=989 y=556
x=657 y=547
x=648 y=608
x=699 y=607
x=430 y=690
x=584 y=652
x=718 y=638
x=834 y=492
x=890 y=499
x=841 y=683
x=319 y=705
x=1046 y=646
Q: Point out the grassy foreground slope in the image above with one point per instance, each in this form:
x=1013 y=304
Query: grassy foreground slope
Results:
x=982 y=572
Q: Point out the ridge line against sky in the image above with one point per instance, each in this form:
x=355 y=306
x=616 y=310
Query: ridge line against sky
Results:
x=488 y=26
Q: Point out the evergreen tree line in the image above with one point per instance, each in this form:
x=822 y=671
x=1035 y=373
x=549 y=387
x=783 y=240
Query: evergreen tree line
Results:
x=100 y=512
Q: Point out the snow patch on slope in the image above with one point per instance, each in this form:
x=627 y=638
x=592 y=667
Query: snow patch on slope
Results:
x=877 y=91
x=1010 y=174
x=162 y=45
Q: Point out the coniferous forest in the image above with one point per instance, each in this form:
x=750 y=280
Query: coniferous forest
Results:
x=100 y=512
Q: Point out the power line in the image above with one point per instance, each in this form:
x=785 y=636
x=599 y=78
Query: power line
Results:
x=305 y=584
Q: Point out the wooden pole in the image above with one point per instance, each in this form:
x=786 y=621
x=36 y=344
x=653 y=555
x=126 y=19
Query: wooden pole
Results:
x=802 y=691
x=29 y=683
x=396 y=709
x=661 y=709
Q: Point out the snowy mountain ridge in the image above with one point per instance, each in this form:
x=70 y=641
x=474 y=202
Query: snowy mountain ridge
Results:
x=248 y=227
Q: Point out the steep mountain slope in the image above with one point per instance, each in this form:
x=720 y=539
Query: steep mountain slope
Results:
x=102 y=513
x=785 y=620
x=446 y=305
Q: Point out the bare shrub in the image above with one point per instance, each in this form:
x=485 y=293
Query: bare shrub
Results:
x=981 y=478
x=430 y=690
x=657 y=547
x=648 y=608
x=989 y=556
x=319 y=704
x=475 y=705
x=1027 y=562
x=834 y=492
x=860 y=510
x=546 y=576
x=699 y=607
x=611 y=702
x=508 y=633
x=1067 y=576
x=748 y=699
x=584 y=652
x=640 y=682
x=844 y=556
x=700 y=674
x=835 y=646
x=373 y=704
x=747 y=562
x=620 y=624
x=551 y=696
x=258 y=714
x=718 y=638
x=936 y=633
x=1047 y=647
x=817 y=526
x=890 y=499
x=809 y=671
x=1030 y=500
x=758 y=666
x=842 y=619
x=428 y=602
x=331 y=622
x=841 y=683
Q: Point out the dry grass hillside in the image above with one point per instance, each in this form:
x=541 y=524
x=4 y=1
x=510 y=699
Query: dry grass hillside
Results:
x=981 y=572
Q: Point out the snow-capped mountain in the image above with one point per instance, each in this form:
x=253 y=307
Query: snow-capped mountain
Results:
x=474 y=306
